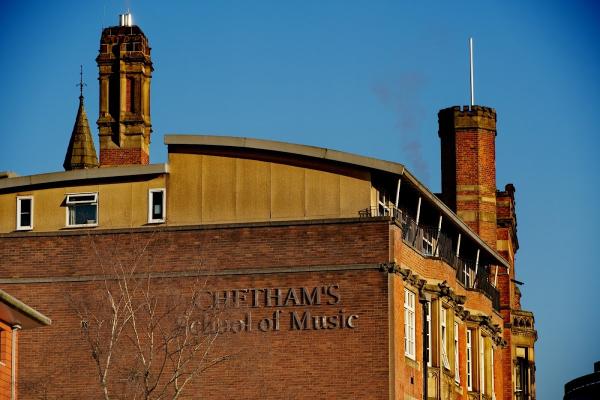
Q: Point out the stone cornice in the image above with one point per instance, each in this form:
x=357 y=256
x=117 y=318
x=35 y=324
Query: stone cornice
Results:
x=445 y=292
x=487 y=326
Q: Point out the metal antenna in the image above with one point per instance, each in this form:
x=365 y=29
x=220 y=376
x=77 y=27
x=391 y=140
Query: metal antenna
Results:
x=472 y=79
x=81 y=84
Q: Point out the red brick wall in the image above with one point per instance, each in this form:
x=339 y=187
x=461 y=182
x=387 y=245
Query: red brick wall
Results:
x=468 y=155
x=112 y=157
x=5 y=360
x=408 y=372
x=337 y=363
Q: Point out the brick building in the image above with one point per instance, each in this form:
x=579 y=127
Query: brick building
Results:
x=14 y=316
x=335 y=275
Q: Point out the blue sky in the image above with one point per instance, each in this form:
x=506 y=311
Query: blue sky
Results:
x=364 y=77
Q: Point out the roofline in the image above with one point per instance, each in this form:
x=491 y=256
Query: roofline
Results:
x=24 y=309
x=83 y=174
x=453 y=217
x=283 y=147
x=333 y=155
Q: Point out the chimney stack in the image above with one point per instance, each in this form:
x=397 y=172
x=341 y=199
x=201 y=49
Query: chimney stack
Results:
x=468 y=147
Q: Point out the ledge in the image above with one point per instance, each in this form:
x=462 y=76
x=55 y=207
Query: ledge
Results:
x=83 y=174
x=172 y=228
x=14 y=312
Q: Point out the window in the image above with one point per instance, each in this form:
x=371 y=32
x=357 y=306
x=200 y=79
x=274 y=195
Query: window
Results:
x=467 y=276
x=428 y=318
x=492 y=371
x=522 y=374
x=156 y=205
x=428 y=242
x=82 y=209
x=456 y=363
x=444 y=337
x=24 y=213
x=469 y=359
x=409 y=323
x=481 y=366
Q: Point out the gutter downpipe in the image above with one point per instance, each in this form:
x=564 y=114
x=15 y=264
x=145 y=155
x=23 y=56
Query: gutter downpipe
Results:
x=13 y=361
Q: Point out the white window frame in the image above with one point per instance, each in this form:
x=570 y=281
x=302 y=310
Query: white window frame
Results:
x=428 y=243
x=71 y=200
x=150 y=205
x=409 y=324
x=481 y=365
x=429 y=363
x=469 y=359
x=444 y=338
x=456 y=361
x=492 y=372
x=19 y=201
x=467 y=276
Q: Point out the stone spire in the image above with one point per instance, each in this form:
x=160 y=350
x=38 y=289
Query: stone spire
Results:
x=81 y=152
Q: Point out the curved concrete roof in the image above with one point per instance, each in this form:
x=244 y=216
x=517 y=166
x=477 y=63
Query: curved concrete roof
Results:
x=287 y=148
x=335 y=156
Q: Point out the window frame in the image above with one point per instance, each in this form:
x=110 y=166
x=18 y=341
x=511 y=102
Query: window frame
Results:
x=73 y=202
x=469 y=354
x=444 y=337
x=151 y=205
x=428 y=245
x=456 y=354
x=429 y=352
x=467 y=282
x=409 y=325
x=492 y=374
x=481 y=365
x=19 y=201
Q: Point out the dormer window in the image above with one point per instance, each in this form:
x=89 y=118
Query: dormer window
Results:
x=82 y=209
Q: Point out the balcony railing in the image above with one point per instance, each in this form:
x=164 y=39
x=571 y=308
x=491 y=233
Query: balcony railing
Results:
x=431 y=242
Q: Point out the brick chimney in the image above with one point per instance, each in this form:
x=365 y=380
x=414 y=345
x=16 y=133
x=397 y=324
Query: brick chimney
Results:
x=125 y=70
x=468 y=147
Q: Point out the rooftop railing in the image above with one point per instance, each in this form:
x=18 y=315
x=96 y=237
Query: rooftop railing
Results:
x=431 y=242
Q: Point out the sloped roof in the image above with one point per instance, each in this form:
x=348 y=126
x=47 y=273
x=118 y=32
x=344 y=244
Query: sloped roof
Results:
x=15 y=312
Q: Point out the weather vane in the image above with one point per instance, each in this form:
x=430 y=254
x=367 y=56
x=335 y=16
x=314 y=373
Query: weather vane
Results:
x=81 y=84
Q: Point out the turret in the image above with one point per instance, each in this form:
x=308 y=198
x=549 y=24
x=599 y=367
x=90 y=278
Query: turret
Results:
x=125 y=69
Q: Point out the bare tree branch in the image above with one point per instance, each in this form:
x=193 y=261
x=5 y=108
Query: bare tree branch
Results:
x=140 y=339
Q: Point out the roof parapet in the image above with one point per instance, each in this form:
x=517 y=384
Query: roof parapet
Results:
x=8 y=174
x=84 y=174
